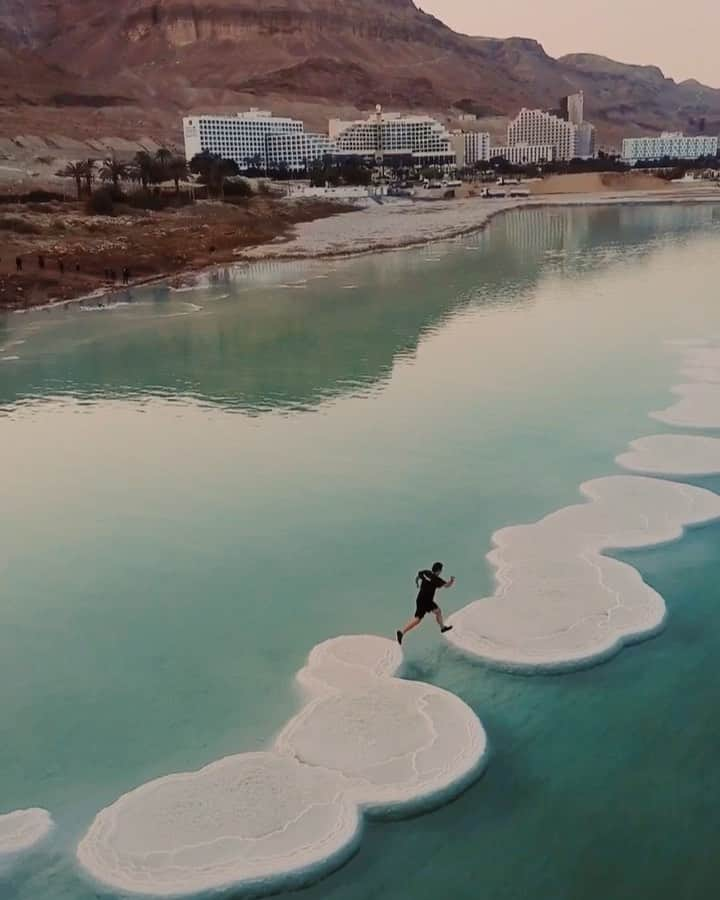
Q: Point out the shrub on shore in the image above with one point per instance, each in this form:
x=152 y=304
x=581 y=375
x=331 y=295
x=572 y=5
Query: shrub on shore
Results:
x=237 y=189
x=102 y=202
x=18 y=225
x=36 y=196
x=156 y=200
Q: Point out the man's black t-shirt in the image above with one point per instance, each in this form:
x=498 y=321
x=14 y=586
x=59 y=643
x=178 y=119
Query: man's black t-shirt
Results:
x=429 y=583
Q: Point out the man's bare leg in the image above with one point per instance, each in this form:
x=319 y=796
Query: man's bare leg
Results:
x=413 y=623
x=441 y=623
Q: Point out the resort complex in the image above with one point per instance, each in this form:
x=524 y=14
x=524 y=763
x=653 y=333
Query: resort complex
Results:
x=258 y=139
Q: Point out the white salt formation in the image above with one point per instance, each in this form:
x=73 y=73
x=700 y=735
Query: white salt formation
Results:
x=702 y=364
x=402 y=742
x=22 y=829
x=282 y=818
x=559 y=602
x=673 y=454
x=698 y=406
x=699 y=403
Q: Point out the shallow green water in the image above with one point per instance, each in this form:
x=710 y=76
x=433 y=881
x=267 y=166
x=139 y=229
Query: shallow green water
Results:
x=198 y=487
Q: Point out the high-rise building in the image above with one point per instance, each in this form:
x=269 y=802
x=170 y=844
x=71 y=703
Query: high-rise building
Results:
x=572 y=108
x=477 y=147
x=297 y=151
x=534 y=127
x=585 y=141
x=670 y=145
x=394 y=137
x=567 y=132
x=255 y=139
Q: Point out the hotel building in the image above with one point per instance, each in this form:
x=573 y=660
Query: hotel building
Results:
x=394 y=137
x=476 y=147
x=670 y=145
x=566 y=131
x=533 y=127
x=255 y=138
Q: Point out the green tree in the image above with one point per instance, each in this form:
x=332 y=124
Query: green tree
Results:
x=76 y=171
x=177 y=169
x=146 y=168
x=89 y=174
x=213 y=171
x=113 y=171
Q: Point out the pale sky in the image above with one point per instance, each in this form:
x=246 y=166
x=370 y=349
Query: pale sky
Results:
x=682 y=39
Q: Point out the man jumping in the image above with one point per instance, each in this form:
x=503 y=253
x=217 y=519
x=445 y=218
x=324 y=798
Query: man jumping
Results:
x=428 y=582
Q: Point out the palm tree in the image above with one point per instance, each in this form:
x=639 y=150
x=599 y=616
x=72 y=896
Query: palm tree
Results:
x=76 y=171
x=89 y=174
x=213 y=171
x=163 y=156
x=146 y=167
x=113 y=171
x=177 y=169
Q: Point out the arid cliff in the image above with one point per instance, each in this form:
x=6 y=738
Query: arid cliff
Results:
x=89 y=67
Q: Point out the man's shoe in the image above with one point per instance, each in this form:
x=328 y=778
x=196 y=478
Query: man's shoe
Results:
x=399 y=637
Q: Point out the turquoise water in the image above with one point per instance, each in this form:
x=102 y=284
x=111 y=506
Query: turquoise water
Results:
x=198 y=487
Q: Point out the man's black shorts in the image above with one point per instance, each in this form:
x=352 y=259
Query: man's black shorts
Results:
x=423 y=607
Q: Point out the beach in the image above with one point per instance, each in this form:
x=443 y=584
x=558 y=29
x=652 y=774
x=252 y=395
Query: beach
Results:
x=407 y=223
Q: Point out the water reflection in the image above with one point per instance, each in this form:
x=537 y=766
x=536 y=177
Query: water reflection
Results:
x=288 y=336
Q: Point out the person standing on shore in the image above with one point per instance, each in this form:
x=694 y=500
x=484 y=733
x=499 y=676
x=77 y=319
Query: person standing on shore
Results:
x=428 y=581
x=18 y=263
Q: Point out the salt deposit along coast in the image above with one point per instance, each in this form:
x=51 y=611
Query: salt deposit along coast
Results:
x=365 y=742
x=23 y=829
x=673 y=454
x=699 y=400
x=560 y=602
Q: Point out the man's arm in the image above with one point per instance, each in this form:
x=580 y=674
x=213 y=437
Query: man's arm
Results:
x=450 y=582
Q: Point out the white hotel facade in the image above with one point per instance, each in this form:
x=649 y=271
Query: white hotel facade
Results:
x=255 y=138
x=672 y=145
x=525 y=154
x=571 y=138
x=259 y=139
x=476 y=146
x=417 y=140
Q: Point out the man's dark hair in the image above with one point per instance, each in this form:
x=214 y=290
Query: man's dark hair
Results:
x=437 y=567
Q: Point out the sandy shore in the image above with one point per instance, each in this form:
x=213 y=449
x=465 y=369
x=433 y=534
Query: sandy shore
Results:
x=405 y=223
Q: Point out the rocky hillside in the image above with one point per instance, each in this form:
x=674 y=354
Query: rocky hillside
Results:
x=90 y=67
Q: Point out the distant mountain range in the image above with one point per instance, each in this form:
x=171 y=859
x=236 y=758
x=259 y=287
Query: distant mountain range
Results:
x=134 y=67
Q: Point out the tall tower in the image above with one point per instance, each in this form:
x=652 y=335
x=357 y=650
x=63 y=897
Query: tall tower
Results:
x=572 y=108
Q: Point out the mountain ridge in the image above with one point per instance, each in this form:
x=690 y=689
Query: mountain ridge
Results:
x=156 y=60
